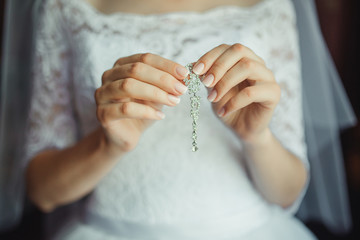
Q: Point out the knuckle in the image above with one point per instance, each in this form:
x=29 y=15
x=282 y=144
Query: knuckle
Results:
x=105 y=76
x=117 y=62
x=247 y=63
x=230 y=105
x=135 y=68
x=128 y=146
x=223 y=45
x=97 y=95
x=126 y=84
x=238 y=47
x=249 y=92
x=145 y=57
x=125 y=108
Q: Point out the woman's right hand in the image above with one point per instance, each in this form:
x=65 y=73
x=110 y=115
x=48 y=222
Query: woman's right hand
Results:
x=132 y=95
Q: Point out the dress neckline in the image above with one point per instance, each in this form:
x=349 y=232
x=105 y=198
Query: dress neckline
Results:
x=208 y=12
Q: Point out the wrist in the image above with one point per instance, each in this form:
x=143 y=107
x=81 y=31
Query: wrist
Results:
x=259 y=140
x=107 y=147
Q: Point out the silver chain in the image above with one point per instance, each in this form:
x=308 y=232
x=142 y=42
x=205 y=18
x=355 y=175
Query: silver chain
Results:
x=192 y=81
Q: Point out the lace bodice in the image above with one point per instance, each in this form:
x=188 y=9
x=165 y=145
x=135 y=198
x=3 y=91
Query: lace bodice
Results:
x=162 y=180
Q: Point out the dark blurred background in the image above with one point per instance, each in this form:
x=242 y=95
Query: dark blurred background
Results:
x=340 y=23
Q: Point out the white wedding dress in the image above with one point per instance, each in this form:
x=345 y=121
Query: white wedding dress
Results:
x=163 y=190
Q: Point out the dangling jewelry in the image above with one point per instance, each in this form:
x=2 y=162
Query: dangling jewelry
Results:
x=192 y=81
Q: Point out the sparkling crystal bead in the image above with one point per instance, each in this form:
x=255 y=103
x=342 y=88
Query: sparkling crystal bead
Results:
x=192 y=81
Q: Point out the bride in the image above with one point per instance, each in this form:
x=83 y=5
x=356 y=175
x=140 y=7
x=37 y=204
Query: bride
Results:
x=109 y=121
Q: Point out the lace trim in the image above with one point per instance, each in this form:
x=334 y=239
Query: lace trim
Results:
x=82 y=14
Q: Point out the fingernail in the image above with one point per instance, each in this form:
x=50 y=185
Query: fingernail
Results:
x=198 y=68
x=161 y=115
x=208 y=80
x=182 y=71
x=221 y=112
x=173 y=99
x=181 y=88
x=212 y=95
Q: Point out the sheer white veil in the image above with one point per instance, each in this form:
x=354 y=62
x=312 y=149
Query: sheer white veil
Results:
x=326 y=110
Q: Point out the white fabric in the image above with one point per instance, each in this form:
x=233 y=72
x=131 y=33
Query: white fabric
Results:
x=162 y=182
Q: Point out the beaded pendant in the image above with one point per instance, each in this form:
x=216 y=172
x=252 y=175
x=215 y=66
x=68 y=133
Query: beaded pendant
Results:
x=192 y=81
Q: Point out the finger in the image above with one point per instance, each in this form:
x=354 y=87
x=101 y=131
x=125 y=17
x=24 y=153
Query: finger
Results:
x=122 y=90
x=108 y=113
x=202 y=65
x=246 y=68
x=176 y=70
x=156 y=106
x=266 y=94
x=215 y=68
x=147 y=74
x=218 y=105
x=226 y=61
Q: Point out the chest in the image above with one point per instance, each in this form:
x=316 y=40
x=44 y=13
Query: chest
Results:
x=97 y=41
x=176 y=37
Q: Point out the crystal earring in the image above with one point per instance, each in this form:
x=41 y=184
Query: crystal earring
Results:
x=192 y=81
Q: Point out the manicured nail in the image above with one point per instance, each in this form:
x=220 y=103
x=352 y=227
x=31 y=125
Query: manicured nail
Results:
x=173 y=99
x=212 y=95
x=181 y=88
x=208 y=80
x=161 y=115
x=198 y=68
x=221 y=112
x=182 y=71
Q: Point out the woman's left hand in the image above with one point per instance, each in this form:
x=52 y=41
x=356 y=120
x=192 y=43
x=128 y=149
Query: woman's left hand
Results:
x=243 y=90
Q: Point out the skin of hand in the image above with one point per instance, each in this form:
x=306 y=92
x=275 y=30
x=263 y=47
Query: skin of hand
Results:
x=129 y=100
x=244 y=94
x=133 y=93
x=243 y=90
